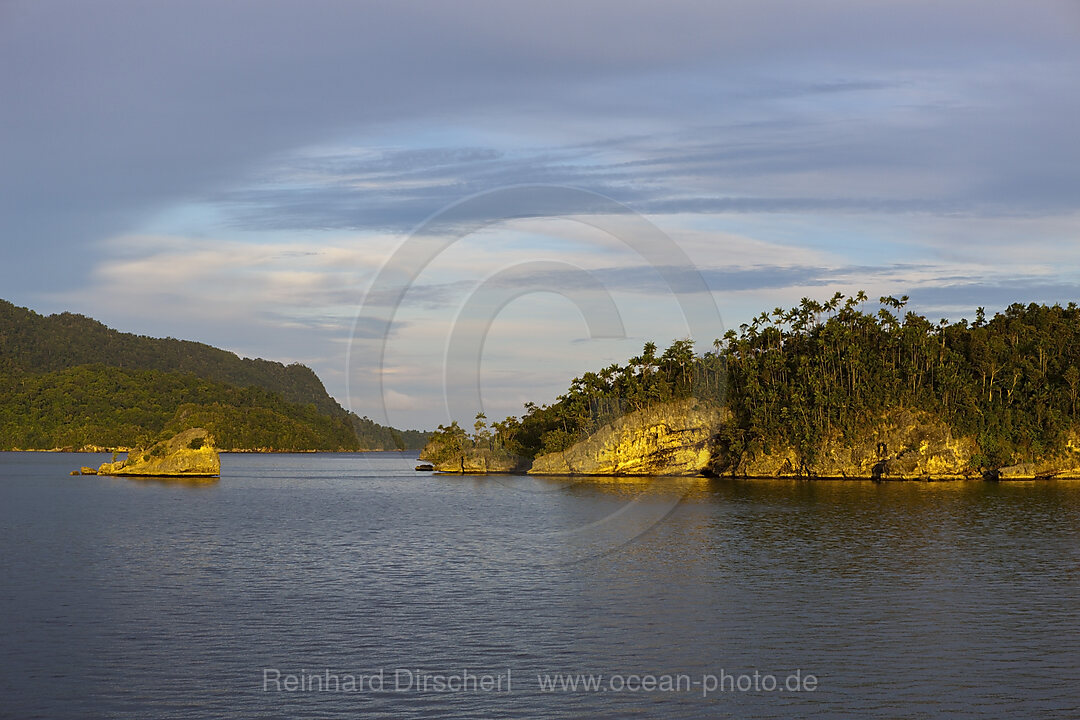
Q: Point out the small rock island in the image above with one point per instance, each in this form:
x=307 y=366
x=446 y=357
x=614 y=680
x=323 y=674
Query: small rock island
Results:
x=190 y=454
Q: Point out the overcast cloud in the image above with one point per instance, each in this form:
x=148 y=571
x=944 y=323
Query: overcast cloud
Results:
x=238 y=172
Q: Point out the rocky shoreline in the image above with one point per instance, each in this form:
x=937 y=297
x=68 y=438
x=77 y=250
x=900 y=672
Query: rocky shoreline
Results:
x=188 y=454
x=682 y=439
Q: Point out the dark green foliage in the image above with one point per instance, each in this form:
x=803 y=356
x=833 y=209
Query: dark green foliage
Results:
x=804 y=376
x=69 y=381
x=817 y=373
x=195 y=444
x=36 y=343
x=481 y=447
x=112 y=407
x=266 y=424
x=374 y=436
x=597 y=398
x=449 y=441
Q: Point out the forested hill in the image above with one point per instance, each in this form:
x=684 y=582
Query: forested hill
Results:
x=67 y=381
x=813 y=377
x=37 y=343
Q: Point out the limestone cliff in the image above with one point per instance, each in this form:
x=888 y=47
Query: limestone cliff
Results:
x=479 y=461
x=901 y=445
x=687 y=437
x=671 y=439
x=1065 y=464
x=188 y=454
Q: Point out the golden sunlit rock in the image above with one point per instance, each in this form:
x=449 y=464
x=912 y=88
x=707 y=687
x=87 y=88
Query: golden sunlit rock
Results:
x=188 y=454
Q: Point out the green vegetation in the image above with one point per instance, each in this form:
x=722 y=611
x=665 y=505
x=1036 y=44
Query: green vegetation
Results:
x=481 y=446
x=114 y=407
x=41 y=344
x=814 y=374
x=595 y=399
x=69 y=381
x=453 y=449
x=373 y=436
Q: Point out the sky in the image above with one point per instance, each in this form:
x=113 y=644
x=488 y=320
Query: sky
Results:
x=443 y=207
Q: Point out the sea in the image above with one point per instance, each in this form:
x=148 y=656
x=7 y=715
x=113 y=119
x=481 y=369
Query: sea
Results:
x=354 y=586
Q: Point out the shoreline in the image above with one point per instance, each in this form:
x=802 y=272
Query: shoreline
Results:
x=260 y=451
x=627 y=477
x=743 y=478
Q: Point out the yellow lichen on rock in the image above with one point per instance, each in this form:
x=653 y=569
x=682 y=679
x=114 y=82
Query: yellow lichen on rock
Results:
x=692 y=437
x=189 y=454
x=670 y=439
x=901 y=445
x=1063 y=465
x=480 y=461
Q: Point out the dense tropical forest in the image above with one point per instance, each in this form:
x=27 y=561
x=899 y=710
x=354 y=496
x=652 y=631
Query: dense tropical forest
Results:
x=44 y=343
x=597 y=398
x=67 y=381
x=813 y=374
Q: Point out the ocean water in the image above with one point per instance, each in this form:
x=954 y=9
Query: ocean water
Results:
x=348 y=586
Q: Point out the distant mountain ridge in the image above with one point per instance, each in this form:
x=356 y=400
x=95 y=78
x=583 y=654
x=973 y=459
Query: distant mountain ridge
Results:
x=68 y=381
x=44 y=343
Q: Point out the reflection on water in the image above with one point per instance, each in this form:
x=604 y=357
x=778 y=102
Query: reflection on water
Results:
x=176 y=481
x=134 y=599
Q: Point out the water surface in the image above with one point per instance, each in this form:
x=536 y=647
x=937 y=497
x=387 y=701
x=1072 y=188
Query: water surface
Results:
x=136 y=599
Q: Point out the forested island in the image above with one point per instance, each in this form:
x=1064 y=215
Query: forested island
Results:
x=839 y=388
x=70 y=382
x=836 y=388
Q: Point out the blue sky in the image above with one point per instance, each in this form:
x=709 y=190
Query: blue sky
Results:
x=238 y=173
